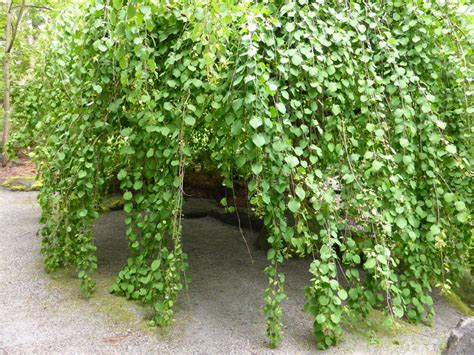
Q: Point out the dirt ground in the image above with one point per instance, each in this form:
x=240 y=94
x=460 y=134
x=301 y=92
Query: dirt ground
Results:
x=19 y=167
x=221 y=311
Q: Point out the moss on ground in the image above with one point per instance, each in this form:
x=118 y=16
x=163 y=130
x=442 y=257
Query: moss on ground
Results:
x=36 y=186
x=18 y=188
x=119 y=310
x=374 y=326
x=458 y=303
x=21 y=183
x=465 y=290
x=111 y=203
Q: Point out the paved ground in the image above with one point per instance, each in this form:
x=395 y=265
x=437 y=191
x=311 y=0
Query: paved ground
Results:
x=220 y=313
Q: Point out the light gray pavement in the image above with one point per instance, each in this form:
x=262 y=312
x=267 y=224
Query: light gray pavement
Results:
x=220 y=312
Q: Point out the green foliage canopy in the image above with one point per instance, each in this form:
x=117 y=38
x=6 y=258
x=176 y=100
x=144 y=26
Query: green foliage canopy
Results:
x=290 y=94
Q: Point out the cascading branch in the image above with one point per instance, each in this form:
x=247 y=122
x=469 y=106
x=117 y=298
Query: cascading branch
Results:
x=284 y=95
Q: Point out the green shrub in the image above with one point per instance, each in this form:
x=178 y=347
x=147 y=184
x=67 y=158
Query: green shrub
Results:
x=286 y=95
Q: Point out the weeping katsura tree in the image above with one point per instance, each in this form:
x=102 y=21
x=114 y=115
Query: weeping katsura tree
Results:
x=283 y=95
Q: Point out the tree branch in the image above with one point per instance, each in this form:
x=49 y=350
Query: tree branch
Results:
x=33 y=7
x=15 y=30
x=22 y=8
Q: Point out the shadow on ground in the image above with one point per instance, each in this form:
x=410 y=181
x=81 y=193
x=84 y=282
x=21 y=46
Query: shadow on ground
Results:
x=224 y=298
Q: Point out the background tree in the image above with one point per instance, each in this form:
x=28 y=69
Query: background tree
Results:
x=22 y=23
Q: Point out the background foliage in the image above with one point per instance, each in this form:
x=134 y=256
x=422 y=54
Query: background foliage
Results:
x=285 y=95
x=27 y=51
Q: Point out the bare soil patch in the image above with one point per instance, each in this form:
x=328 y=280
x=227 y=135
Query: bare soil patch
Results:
x=22 y=166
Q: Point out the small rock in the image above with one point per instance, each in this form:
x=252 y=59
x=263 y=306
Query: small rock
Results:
x=461 y=339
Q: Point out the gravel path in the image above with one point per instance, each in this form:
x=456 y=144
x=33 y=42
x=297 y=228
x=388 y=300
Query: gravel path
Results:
x=220 y=313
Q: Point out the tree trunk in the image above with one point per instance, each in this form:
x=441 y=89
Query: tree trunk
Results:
x=6 y=82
